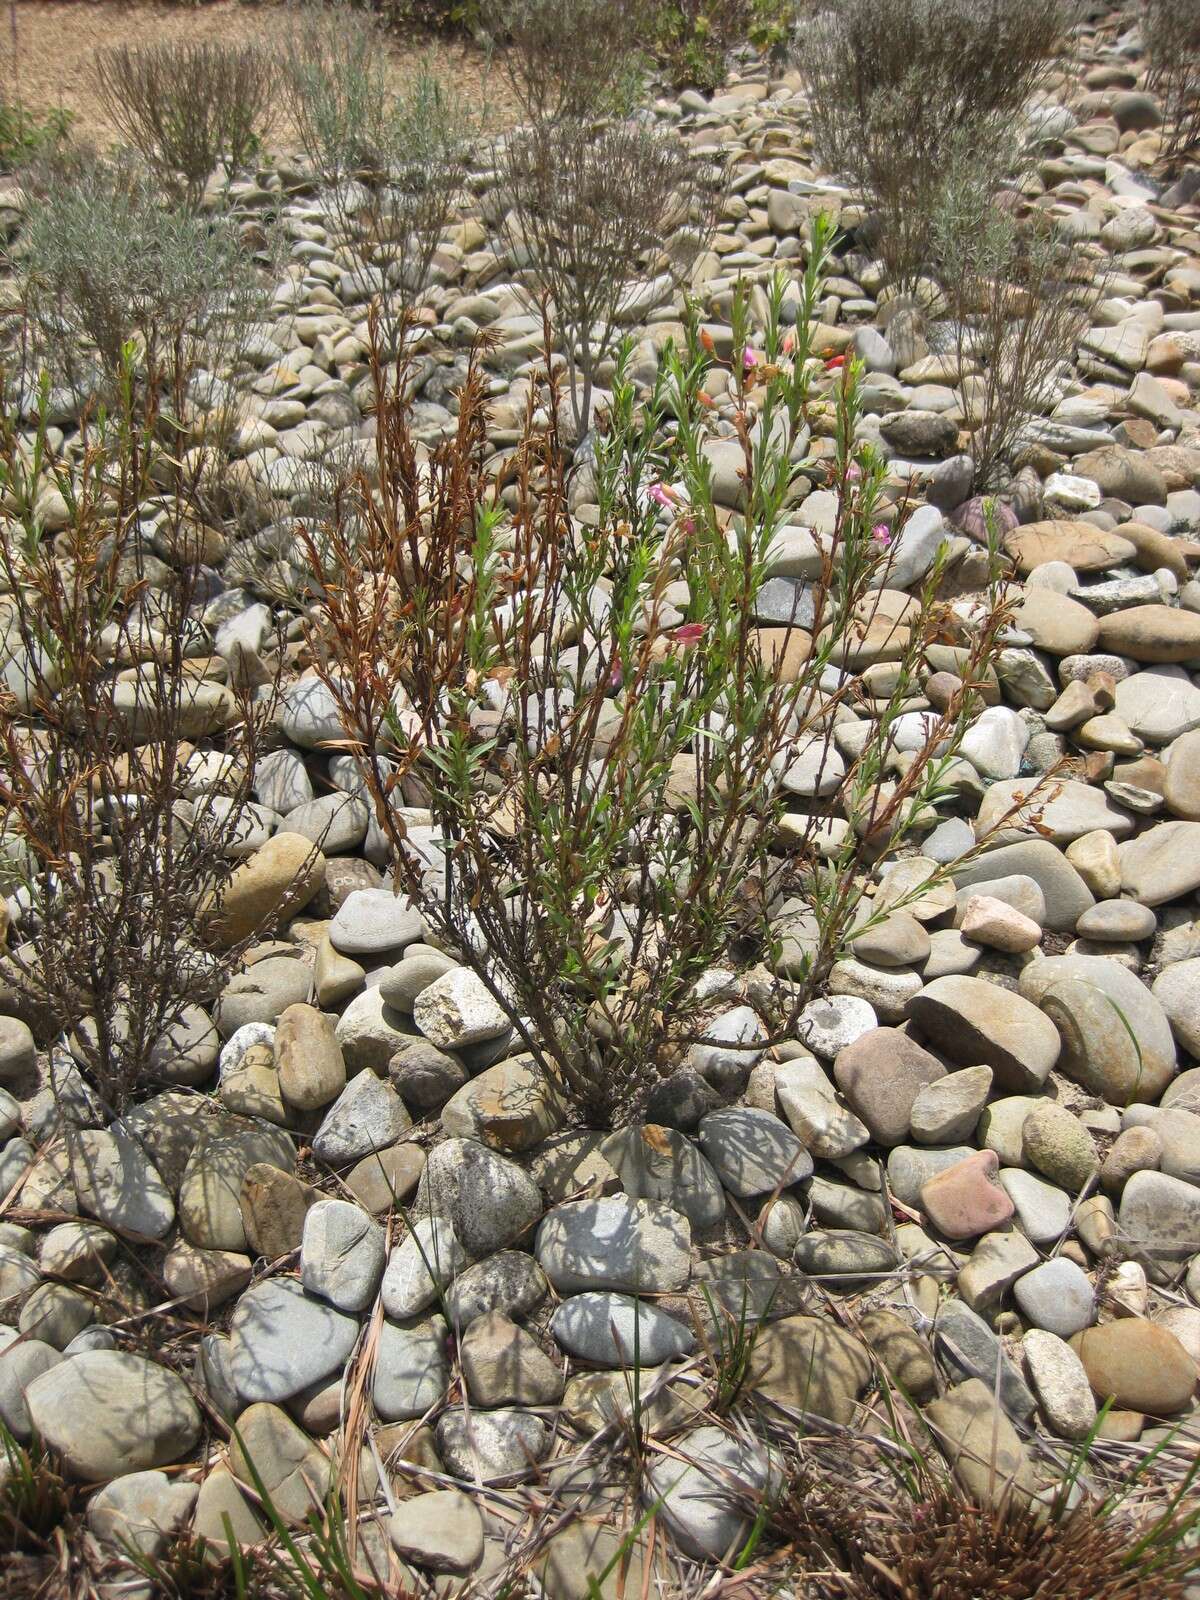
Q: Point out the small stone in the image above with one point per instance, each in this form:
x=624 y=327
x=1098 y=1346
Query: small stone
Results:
x=996 y=1263
x=143 y=1510
x=309 y=1060
x=703 y=1518
x=412 y=1371
x=1061 y=1384
x=1057 y=1296
x=489 y=1200
x=368 y=1115
x=205 y=1279
x=1059 y=1146
x=283 y=1340
x=116 y=1183
x=980 y=1443
x=990 y=922
x=503 y=1365
x=810 y=1364
x=510 y=1106
x=1160 y=1218
x=965 y=1200
x=492 y=1446
x=293 y=1470
x=657 y=1163
x=947 y=1110
x=441 y=1531
x=639 y=1246
x=420 y=1267
x=881 y=1075
x=383 y=1181
x=509 y=1281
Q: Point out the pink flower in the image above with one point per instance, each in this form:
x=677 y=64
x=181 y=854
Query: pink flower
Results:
x=688 y=525
x=749 y=359
x=853 y=473
x=689 y=633
x=663 y=496
x=615 y=677
x=882 y=534
x=789 y=343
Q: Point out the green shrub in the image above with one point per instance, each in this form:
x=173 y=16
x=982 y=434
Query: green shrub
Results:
x=1171 y=30
x=694 y=37
x=25 y=133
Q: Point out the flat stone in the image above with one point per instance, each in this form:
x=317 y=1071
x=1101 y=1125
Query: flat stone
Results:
x=1041 y=1210
x=383 y=1181
x=639 y=1246
x=1060 y=1383
x=283 y=1340
x=978 y=1023
x=1159 y=704
x=441 y=1531
x=1116 y=1039
x=1117 y=921
x=457 y=1010
x=273 y=1205
x=293 y=1470
x=142 y=1509
x=695 y=1504
x=205 y=1279
x=412 y=1369
x=881 y=1073
x=106 y=1413
x=828 y=1025
x=1153 y=633
x=116 y=1183
x=810 y=1364
x=608 y=1330
x=1064 y=808
x=1138 y=1365
x=342 y=1254
x=983 y=1448
x=1057 y=1297
x=969 y=1346
x=1082 y=546
x=372 y=921
x=421 y=1266
x=262 y=993
x=1159 y=1219
x=753 y=1151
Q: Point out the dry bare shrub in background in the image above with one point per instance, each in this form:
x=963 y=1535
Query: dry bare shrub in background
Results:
x=588 y=211
x=188 y=107
x=117 y=829
x=903 y=93
x=607 y=779
x=1019 y=298
x=391 y=163
x=1171 y=31
x=573 y=58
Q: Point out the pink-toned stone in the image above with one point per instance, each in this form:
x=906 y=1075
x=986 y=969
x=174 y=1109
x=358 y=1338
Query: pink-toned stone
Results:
x=965 y=1200
x=989 y=921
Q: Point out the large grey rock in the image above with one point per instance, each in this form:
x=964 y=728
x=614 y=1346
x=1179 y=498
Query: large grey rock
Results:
x=456 y=1010
x=1060 y=1383
x=614 y=1330
x=282 y=1340
x=421 y=1265
x=371 y=921
x=492 y=1445
x=1116 y=1039
x=510 y=1281
x=753 y=1151
x=640 y=1246
x=1162 y=863
x=117 y=1183
x=106 y=1412
x=704 y=1503
x=970 y=1346
x=441 y=1531
x=412 y=1369
x=1159 y=1220
x=488 y=1199
x=342 y=1254
x=143 y=1510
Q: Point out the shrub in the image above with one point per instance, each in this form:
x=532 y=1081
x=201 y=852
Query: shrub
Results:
x=392 y=164
x=589 y=208
x=607 y=781
x=1019 y=300
x=1171 y=29
x=904 y=94
x=694 y=37
x=104 y=262
x=188 y=107
x=121 y=843
x=552 y=76
x=24 y=134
